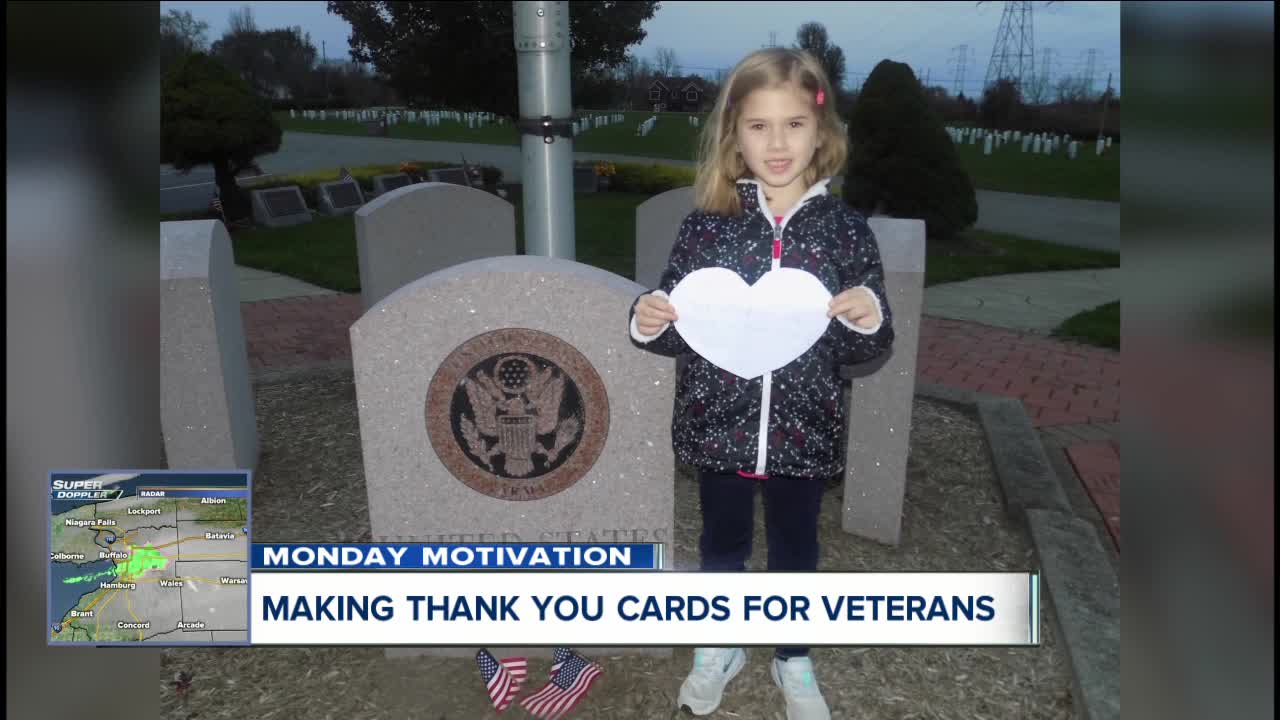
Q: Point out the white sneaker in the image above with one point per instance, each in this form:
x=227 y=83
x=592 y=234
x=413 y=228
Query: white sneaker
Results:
x=713 y=668
x=800 y=688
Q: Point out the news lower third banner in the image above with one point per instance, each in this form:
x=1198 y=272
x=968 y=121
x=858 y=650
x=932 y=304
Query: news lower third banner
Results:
x=515 y=594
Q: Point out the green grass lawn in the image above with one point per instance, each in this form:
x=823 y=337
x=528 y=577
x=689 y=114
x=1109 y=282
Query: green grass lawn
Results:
x=324 y=252
x=1007 y=169
x=1099 y=326
x=979 y=253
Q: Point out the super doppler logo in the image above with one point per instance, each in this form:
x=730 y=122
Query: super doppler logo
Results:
x=82 y=490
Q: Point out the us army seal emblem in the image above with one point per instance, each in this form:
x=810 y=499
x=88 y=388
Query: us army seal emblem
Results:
x=517 y=414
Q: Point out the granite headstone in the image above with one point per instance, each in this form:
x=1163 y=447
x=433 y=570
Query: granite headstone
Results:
x=206 y=398
x=878 y=409
x=386 y=183
x=453 y=176
x=449 y=453
x=279 y=207
x=585 y=179
x=340 y=197
x=421 y=228
x=657 y=224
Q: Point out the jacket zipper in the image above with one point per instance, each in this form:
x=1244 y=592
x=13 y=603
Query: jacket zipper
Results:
x=766 y=382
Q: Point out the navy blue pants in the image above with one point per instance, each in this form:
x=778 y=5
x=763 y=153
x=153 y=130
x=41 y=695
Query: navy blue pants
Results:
x=791 y=508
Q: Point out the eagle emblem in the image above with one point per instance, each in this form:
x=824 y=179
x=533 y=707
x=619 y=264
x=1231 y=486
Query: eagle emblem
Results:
x=515 y=414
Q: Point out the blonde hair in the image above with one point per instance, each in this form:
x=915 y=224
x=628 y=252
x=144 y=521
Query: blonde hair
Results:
x=720 y=165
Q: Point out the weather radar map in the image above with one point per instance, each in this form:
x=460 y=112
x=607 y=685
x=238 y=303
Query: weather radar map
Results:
x=150 y=557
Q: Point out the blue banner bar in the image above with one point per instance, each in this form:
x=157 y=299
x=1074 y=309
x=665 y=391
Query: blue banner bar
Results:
x=465 y=556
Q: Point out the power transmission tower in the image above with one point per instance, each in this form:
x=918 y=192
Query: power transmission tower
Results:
x=1042 y=82
x=1013 y=56
x=1089 y=69
x=773 y=39
x=962 y=62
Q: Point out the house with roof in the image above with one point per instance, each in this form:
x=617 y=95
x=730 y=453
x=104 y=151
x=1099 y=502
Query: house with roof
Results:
x=675 y=94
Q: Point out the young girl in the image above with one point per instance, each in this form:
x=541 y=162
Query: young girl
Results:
x=769 y=149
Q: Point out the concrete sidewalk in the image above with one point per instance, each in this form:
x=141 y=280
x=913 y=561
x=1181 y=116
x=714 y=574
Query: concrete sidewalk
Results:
x=1029 y=302
x=258 y=285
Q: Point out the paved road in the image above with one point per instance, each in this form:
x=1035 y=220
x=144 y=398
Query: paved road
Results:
x=1066 y=221
x=1081 y=223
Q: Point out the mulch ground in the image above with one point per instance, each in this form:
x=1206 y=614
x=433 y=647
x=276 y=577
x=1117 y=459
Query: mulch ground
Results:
x=310 y=484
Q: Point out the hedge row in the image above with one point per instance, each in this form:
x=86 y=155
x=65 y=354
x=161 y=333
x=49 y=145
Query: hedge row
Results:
x=649 y=179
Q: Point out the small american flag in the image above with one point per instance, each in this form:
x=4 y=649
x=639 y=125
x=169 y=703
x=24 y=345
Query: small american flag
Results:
x=346 y=176
x=502 y=678
x=571 y=677
x=216 y=204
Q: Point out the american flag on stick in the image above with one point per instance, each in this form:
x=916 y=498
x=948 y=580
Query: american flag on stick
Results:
x=571 y=677
x=216 y=205
x=346 y=176
x=502 y=678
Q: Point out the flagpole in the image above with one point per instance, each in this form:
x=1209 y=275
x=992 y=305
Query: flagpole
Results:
x=546 y=126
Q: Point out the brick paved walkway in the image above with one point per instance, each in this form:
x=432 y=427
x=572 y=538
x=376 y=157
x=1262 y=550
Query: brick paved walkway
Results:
x=1068 y=388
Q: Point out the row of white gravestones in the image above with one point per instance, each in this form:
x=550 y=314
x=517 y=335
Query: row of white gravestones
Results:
x=879 y=407
x=694 y=120
x=646 y=126
x=594 y=121
x=1039 y=143
x=430 y=117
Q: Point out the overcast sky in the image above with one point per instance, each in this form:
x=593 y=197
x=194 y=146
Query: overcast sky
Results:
x=925 y=35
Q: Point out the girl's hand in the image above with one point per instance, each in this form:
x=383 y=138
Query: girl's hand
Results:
x=857 y=305
x=652 y=313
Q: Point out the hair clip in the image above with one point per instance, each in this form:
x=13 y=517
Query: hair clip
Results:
x=821 y=97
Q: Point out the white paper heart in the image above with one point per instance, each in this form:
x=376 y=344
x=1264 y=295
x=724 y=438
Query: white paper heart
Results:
x=750 y=330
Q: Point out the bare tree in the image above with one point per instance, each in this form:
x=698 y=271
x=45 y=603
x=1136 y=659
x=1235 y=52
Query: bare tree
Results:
x=1073 y=90
x=666 y=64
x=241 y=22
x=1037 y=90
x=180 y=34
